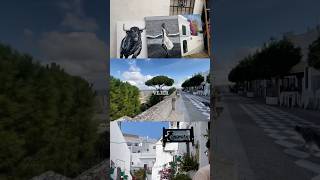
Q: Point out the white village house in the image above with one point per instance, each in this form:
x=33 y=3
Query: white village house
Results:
x=301 y=86
x=142 y=151
x=165 y=155
x=190 y=44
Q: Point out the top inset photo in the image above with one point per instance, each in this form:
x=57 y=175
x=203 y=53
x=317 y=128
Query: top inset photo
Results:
x=159 y=29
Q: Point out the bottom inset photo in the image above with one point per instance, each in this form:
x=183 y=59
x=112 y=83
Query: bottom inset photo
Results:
x=159 y=150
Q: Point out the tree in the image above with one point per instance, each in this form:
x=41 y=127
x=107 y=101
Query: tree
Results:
x=194 y=81
x=124 y=99
x=159 y=82
x=314 y=54
x=208 y=78
x=171 y=90
x=46 y=119
x=273 y=60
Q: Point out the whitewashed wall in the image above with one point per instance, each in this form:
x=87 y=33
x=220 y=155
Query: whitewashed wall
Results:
x=119 y=151
x=198 y=6
x=163 y=156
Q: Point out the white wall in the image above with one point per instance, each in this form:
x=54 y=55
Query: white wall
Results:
x=199 y=128
x=163 y=156
x=182 y=21
x=133 y=10
x=119 y=151
x=198 y=6
x=139 y=159
x=195 y=44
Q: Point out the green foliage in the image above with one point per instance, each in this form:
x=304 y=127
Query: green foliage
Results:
x=314 y=54
x=154 y=99
x=159 y=82
x=102 y=145
x=171 y=90
x=144 y=106
x=208 y=78
x=124 y=99
x=46 y=119
x=181 y=177
x=273 y=60
x=194 y=81
x=140 y=174
x=188 y=163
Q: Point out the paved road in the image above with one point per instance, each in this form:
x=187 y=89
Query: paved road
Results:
x=194 y=107
x=261 y=140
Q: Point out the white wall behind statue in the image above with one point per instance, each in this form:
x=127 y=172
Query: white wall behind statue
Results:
x=133 y=10
x=122 y=33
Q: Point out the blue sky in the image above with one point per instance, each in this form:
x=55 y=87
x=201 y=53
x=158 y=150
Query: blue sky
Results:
x=71 y=33
x=151 y=129
x=136 y=72
x=240 y=27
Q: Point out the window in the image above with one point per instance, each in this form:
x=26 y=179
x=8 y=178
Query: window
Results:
x=184 y=30
x=185 y=46
x=147 y=149
x=154 y=147
x=178 y=7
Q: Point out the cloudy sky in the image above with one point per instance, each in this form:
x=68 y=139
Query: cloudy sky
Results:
x=71 y=33
x=137 y=72
x=242 y=26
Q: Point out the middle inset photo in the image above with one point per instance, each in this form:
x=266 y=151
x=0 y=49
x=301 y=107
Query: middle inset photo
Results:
x=160 y=90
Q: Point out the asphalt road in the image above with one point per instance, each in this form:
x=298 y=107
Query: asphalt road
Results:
x=261 y=142
x=194 y=107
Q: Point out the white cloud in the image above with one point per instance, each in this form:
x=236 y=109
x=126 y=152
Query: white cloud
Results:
x=135 y=77
x=78 y=23
x=79 y=53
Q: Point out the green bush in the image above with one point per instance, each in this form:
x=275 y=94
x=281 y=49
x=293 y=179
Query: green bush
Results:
x=140 y=174
x=188 y=163
x=144 y=106
x=154 y=99
x=181 y=177
x=171 y=90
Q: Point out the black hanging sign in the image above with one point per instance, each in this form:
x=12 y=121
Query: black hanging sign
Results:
x=177 y=136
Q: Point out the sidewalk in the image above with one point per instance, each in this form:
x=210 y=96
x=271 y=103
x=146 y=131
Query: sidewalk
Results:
x=230 y=158
x=311 y=115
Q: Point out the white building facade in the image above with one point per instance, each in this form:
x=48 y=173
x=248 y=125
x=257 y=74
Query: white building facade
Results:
x=303 y=83
x=189 y=44
x=143 y=152
x=165 y=155
x=120 y=156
